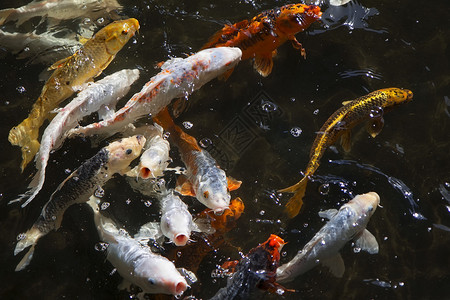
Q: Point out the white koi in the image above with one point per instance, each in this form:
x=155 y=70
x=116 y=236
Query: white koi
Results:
x=136 y=263
x=178 y=78
x=40 y=48
x=102 y=94
x=59 y=10
x=349 y=223
x=176 y=221
x=77 y=188
x=155 y=158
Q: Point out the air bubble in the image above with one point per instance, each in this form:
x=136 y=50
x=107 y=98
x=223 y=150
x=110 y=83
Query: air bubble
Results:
x=101 y=246
x=205 y=142
x=99 y=192
x=296 y=131
x=21 y=236
x=268 y=106
x=187 y=124
x=128 y=201
x=324 y=189
x=21 y=89
x=148 y=203
x=104 y=205
x=100 y=21
x=67 y=171
x=316 y=112
x=357 y=249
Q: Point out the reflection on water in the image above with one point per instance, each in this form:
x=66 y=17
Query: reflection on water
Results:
x=260 y=130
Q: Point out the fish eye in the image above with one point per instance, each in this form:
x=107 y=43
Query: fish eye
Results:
x=370 y=208
x=206 y=194
x=151 y=281
x=128 y=151
x=124 y=32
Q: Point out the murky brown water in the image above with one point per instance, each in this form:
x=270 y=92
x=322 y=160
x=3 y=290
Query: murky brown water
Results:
x=261 y=130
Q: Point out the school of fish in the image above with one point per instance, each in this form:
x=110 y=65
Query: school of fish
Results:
x=148 y=128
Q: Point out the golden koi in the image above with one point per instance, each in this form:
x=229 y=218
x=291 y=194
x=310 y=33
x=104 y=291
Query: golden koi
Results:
x=259 y=37
x=370 y=107
x=70 y=74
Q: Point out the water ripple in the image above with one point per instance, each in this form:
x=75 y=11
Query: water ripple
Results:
x=356 y=73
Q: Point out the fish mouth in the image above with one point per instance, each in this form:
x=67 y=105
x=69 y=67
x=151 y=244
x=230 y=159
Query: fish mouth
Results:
x=145 y=173
x=180 y=287
x=181 y=239
x=409 y=95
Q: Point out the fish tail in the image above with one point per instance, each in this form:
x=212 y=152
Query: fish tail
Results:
x=294 y=204
x=25 y=136
x=31 y=238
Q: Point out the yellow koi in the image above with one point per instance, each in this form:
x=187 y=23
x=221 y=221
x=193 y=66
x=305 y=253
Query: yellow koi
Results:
x=70 y=74
x=370 y=107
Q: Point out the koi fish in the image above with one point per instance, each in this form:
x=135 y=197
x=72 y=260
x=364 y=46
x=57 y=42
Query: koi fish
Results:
x=42 y=48
x=82 y=183
x=349 y=223
x=371 y=108
x=204 y=179
x=70 y=74
x=259 y=37
x=176 y=221
x=255 y=270
x=155 y=158
x=178 y=78
x=192 y=254
x=103 y=93
x=59 y=10
x=136 y=263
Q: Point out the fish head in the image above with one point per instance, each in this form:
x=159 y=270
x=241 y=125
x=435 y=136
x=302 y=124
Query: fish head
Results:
x=155 y=159
x=365 y=205
x=118 y=33
x=294 y=18
x=158 y=275
x=214 y=193
x=122 y=152
x=176 y=224
x=396 y=96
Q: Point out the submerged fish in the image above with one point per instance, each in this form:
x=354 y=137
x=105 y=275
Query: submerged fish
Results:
x=155 y=158
x=176 y=221
x=204 y=179
x=349 y=223
x=369 y=108
x=103 y=93
x=59 y=10
x=178 y=78
x=70 y=74
x=40 y=48
x=255 y=270
x=136 y=263
x=78 y=187
x=259 y=37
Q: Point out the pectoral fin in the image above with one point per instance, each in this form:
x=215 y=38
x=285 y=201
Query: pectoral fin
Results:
x=150 y=230
x=298 y=46
x=375 y=126
x=184 y=186
x=367 y=242
x=328 y=214
x=263 y=64
x=125 y=284
x=233 y=184
x=346 y=140
x=226 y=75
x=335 y=264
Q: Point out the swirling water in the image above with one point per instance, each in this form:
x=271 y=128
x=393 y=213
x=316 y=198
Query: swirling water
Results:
x=247 y=124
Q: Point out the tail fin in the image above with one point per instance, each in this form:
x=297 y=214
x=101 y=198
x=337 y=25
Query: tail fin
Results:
x=31 y=238
x=294 y=204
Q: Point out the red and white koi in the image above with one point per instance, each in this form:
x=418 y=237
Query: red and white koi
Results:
x=99 y=95
x=178 y=78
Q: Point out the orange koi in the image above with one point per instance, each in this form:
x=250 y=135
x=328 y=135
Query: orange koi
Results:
x=259 y=37
x=369 y=107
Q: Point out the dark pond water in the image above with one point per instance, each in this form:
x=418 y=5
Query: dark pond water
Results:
x=261 y=130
